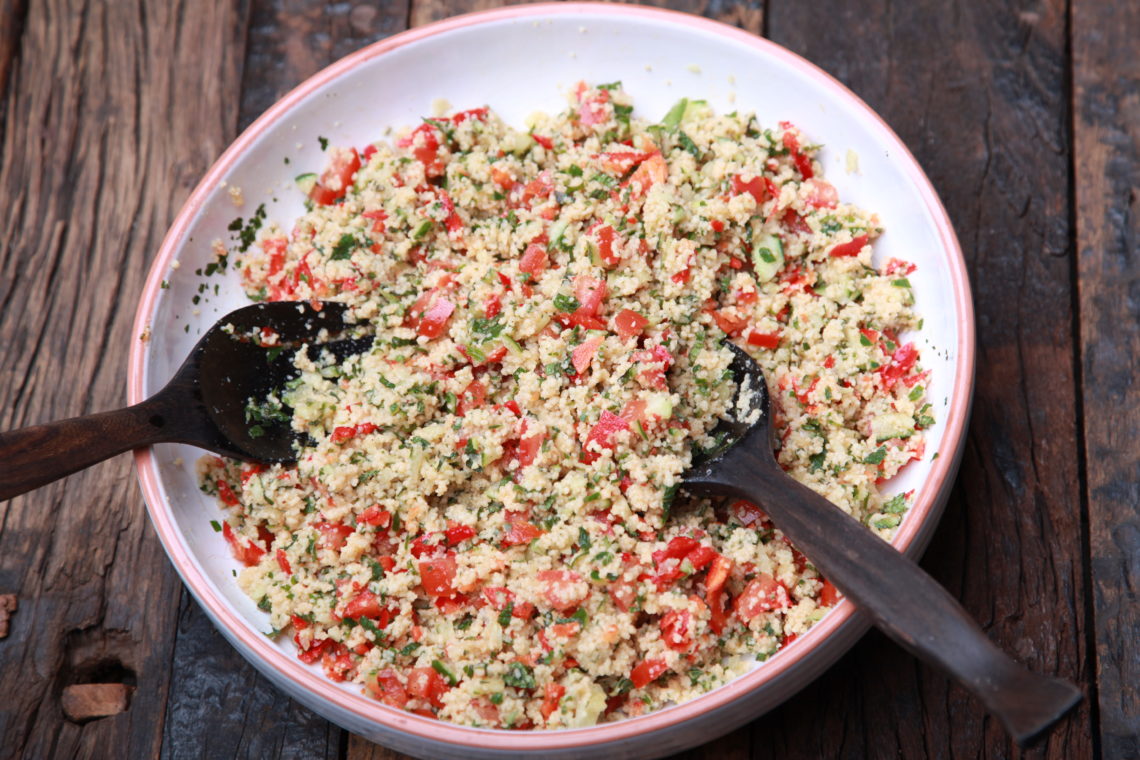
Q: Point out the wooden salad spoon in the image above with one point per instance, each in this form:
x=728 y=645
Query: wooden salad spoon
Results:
x=206 y=404
x=901 y=599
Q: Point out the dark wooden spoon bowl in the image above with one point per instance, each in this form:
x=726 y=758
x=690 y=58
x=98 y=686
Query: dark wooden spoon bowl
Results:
x=203 y=405
x=901 y=599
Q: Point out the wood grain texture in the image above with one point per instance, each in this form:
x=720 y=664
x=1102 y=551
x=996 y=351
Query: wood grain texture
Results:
x=290 y=40
x=221 y=707
x=1106 y=119
x=106 y=127
x=748 y=14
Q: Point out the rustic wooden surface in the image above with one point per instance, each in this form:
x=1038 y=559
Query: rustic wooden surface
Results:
x=1026 y=117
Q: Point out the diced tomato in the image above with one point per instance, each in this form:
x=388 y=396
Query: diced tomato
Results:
x=473 y=396
x=436 y=576
x=749 y=515
x=545 y=142
x=629 y=324
x=788 y=639
x=533 y=261
x=621 y=162
x=792 y=143
x=539 y=187
x=424 y=142
x=764 y=340
x=762 y=594
x=226 y=493
x=501 y=177
x=343 y=433
x=732 y=325
x=715 y=593
x=275 y=249
x=647 y=671
x=795 y=222
x=828 y=595
x=366 y=604
x=583 y=353
x=336 y=661
x=492 y=306
x=375 y=515
x=675 y=630
x=479 y=114
x=755 y=187
x=901 y=363
x=590 y=293
x=337 y=178
x=652 y=171
x=523 y=611
x=457 y=533
x=821 y=194
x=677 y=548
x=452 y=221
x=528 y=448
x=368 y=151
x=634 y=411
x=605 y=235
x=850 y=249
x=564 y=589
x=893 y=267
x=498 y=597
x=602 y=434
x=520 y=532
x=429 y=544
x=283 y=562
x=426 y=683
x=624 y=594
x=514 y=407
x=659 y=360
x=378 y=216
x=387 y=688
x=592 y=110
x=551 y=695
x=435 y=318
x=718 y=573
x=333 y=535
x=245 y=551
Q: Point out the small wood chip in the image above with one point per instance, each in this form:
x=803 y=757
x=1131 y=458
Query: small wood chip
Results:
x=7 y=607
x=84 y=701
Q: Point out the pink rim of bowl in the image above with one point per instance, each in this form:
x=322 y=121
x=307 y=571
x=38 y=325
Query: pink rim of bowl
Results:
x=911 y=537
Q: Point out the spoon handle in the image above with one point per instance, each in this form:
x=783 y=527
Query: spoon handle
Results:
x=34 y=456
x=907 y=604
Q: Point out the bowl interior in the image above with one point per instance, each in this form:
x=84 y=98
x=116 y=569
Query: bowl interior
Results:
x=519 y=62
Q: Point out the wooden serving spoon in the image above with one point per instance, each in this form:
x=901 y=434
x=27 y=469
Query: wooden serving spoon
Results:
x=204 y=405
x=902 y=600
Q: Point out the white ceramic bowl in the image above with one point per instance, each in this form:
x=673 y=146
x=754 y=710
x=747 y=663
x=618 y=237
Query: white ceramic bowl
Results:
x=519 y=60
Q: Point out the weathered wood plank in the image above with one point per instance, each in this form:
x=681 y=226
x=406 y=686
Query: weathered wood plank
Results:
x=983 y=108
x=746 y=14
x=1106 y=82
x=289 y=40
x=101 y=143
x=219 y=706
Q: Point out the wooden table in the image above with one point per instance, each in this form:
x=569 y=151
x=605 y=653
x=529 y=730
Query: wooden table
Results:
x=1025 y=116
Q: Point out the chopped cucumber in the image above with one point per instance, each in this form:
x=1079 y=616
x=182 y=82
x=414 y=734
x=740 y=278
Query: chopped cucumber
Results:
x=659 y=404
x=512 y=345
x=892 y=425
x=767 y=257
x=557 y=230
x=306 y=182
x=696 y=111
